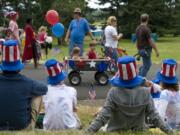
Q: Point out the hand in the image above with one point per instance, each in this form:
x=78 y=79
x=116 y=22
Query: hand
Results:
x=148 y=83
x=157 y=54
x=67 y=40
x=172 y=133
x=75 y=109
x=120 y=35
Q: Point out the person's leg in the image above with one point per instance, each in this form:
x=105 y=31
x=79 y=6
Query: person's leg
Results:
x=35 y=109
x=143 y=70
x=81 y=49
x=115 y=58
x=71 y=46
x=79 y=124
x=115 y=54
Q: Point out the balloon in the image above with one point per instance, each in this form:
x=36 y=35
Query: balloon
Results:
x=52 y=17
x=58 y=29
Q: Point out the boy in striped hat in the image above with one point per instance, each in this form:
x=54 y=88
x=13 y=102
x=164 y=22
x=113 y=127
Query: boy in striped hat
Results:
x=128 y=102
x=60 y=101
x=20 y=96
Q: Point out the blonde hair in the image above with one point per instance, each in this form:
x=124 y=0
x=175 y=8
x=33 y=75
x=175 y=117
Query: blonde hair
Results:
x=110 y=20
x=76 y=50
x=42 y=28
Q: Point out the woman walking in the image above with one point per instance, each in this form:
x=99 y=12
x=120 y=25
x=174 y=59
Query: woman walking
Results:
x=111 y=39
x=30 y=51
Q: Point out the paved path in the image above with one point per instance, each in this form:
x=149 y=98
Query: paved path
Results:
x=87 y=78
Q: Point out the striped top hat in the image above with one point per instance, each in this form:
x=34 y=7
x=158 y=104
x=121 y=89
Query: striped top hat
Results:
x=55 y=72
x=168 y=71
x=128 y=76
x=11 y=56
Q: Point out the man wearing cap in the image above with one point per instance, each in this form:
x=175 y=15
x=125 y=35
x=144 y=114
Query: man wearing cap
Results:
x=128 y=102
x=20 y=96
x=145 y=44
x=77 y=31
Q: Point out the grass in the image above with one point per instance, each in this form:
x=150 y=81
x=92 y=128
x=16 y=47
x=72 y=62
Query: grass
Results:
x=85 y=113
x=169 y=47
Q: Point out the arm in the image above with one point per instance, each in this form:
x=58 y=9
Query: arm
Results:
x=68 y=32
x=87 y=29
x=91 y=35
x=117 y=37
x=153 y=45
x=156 y=119
x=75 y=101
x=67 y=36
x=104 y=115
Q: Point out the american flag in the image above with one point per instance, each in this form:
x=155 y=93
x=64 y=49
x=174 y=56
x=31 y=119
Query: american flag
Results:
x=92 y=92
x=56 y=51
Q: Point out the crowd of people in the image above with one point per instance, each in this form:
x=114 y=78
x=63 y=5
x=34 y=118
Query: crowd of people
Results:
x=132 y=103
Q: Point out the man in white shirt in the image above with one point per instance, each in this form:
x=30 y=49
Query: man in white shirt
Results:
x=60 y=101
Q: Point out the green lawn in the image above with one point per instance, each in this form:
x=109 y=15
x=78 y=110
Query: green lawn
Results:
x=85 y=113
x=169 y=47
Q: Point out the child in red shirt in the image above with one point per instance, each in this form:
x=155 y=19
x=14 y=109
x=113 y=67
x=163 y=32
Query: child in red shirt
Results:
x=92 y=53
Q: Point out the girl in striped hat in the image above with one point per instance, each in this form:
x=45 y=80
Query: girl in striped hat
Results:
x=169 y=100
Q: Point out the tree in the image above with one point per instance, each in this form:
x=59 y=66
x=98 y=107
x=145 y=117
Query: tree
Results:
x=163 y=13
x=65 y=9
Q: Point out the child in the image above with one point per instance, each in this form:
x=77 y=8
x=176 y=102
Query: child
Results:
x=42 y=34
x=128 y=102
x=60 y=101
x=76 y=53
x=92 y=53
x=169 y=108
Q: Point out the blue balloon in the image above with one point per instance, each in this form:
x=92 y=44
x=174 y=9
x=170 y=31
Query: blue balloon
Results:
x=58 y=30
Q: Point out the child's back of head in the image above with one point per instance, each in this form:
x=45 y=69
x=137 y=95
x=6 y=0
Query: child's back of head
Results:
x=76 y=52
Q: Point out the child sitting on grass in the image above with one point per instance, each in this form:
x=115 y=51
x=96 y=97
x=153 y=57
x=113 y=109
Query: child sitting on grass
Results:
x=128 y=103
x=76 y=53
x=92 y=51
x=169 y=100
x=60 y=101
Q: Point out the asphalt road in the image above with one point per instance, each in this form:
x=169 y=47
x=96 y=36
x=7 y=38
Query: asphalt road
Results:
x=87 y=79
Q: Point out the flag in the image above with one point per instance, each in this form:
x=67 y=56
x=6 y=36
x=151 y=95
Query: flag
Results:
x=92 y=92
x=56 y=50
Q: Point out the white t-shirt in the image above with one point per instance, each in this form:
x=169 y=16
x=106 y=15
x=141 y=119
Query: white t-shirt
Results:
x=59 y=102
x=110 y=31
x=170 y=107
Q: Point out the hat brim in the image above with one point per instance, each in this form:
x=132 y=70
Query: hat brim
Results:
x=168 y=80
x=12 y=66
x=116 y=81
x=57 y=79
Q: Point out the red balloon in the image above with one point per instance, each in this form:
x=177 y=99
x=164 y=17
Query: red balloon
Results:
x=52 y=17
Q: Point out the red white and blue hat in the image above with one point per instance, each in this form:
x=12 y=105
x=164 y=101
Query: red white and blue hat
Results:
x=55 y=72
x=128 y=76
x=168 y=72
x=11 y=56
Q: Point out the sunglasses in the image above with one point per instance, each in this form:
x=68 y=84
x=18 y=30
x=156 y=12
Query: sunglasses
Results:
x=77 y=13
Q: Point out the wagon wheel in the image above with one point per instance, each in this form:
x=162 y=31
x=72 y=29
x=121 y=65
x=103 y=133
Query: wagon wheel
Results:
x=102 y=78
x=74 y=78
x=96 y=76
